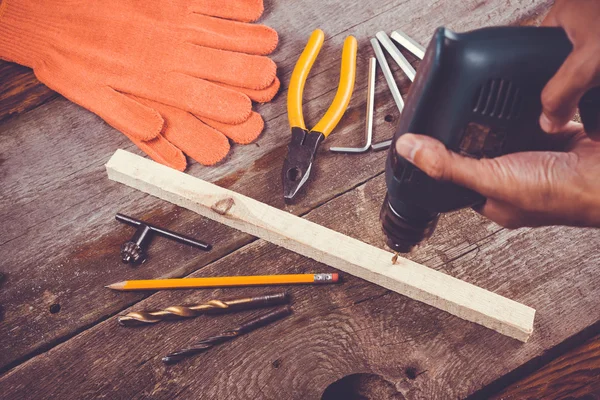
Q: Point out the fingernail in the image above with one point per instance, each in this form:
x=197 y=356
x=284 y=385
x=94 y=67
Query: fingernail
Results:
x=407 y=147
x=547 y=124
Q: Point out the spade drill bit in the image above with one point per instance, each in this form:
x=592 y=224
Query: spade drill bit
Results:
x=212 y=341
x=212 y=307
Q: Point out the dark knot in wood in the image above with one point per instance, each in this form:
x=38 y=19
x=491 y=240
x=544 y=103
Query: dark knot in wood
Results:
x=223 y=206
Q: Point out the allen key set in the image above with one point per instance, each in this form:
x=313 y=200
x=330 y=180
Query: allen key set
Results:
x=382 y=39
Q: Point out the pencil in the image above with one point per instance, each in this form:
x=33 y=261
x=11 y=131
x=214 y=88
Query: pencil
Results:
x=225 y=281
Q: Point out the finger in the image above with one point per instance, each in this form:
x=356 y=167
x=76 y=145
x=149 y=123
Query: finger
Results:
x=551 y=19
x=126 y=114
x=503 y=214
x=561 y=141
x=488 y=177
x=221 y=34
x=118 y=110
x=563 y=92
x=232 y=68
x=196 y=139
x=513 y=217
x=243 y=133
x=239 y=10
x=196 y=96
x=260 y=96
x=162 y=151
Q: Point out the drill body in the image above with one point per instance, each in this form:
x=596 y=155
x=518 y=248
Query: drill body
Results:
x=479 y=93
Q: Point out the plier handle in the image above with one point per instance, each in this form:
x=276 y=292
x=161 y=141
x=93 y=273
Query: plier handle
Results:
x=304 y=143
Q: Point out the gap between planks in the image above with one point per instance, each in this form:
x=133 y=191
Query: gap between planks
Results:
x=324 y=245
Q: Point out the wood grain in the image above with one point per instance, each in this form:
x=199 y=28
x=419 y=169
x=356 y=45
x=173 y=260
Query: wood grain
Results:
x=574 y=375
x=20 y=90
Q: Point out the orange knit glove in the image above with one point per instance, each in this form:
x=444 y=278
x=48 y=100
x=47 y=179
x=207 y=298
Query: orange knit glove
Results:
x=150 y=66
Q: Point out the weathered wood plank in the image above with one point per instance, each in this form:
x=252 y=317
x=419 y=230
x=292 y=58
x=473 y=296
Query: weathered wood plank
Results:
x=324 y=245
x=56 y=207
x=343 y=329
x=20 y=90
x=575 y=375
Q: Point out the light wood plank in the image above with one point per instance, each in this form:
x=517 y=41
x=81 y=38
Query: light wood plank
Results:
x=324 y=245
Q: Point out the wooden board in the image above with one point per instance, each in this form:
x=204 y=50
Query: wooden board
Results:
x=324 y=245
x=59 y=245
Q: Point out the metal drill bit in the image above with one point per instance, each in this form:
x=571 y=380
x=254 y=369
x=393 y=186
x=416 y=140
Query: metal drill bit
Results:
x=211 y=307
x=212 y=341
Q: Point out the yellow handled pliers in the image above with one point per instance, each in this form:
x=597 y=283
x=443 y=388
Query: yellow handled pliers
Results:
x=304 y=143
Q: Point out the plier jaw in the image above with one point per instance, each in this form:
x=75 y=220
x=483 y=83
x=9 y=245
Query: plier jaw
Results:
x=298 y=163
x=304 y=143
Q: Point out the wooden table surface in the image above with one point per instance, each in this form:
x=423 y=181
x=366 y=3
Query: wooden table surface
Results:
x=59 y=246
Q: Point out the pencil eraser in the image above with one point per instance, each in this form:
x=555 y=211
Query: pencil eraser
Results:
x=334 y=277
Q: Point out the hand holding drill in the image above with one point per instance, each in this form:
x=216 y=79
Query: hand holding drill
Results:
x=555 y=187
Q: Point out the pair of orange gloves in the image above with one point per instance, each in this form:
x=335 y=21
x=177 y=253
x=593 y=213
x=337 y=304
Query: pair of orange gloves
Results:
x=175 y=76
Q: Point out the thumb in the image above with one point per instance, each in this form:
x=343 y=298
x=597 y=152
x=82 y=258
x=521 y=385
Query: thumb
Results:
x=563 y=92
x=486 y=176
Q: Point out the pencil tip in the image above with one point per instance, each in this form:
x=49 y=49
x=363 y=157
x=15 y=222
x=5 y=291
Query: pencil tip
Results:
x=116 y=286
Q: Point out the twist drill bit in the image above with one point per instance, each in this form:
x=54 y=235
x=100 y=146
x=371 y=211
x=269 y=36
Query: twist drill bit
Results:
x=212 y=307
x=212 y=341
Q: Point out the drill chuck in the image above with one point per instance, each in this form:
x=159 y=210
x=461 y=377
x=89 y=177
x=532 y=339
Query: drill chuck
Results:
x=402 y=229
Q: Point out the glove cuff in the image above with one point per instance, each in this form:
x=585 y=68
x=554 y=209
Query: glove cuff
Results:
x=18 y=22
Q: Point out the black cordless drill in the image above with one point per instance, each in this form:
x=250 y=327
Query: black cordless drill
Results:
x=479 y=94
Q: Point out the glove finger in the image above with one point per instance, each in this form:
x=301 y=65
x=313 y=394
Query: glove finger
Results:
x=243 y=133
x=196 y=139
x=221 y=34
x=260 y=96
x=232 y=68
x=118 y=110
x=239 y=10
x=162 y=151
x=196 y=96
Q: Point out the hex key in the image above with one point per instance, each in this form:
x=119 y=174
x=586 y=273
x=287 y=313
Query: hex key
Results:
x=381 y=145
x=370 y=111
x=387 y=73
x=409 y=44
x=391 y=48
